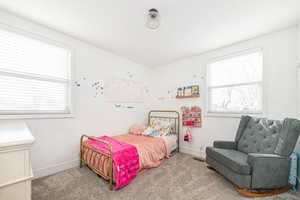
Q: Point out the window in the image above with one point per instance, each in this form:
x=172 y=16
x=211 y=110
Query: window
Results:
x=34 y=75
x=235 y=84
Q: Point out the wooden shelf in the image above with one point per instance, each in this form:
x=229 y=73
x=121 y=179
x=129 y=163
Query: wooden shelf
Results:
x=185 y=97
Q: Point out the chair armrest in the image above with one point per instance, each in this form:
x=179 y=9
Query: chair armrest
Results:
x=269 y=170
x=225 y=144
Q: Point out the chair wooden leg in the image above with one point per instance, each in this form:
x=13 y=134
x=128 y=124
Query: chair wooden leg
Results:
x=199 y=159
x=211 y=168
x=263 y=192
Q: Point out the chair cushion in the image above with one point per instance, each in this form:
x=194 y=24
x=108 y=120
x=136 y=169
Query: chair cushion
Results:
x=260 y=136
x=232 y=159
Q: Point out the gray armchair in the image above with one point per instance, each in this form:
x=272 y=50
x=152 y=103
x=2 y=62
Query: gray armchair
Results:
x=259 y=156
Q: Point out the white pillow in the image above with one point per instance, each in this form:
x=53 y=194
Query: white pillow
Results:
x=150 y=131
x=162 y=125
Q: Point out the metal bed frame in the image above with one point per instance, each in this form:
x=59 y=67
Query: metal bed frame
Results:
x=153 y=114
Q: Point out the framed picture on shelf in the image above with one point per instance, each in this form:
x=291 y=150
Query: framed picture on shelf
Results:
x=191 y=91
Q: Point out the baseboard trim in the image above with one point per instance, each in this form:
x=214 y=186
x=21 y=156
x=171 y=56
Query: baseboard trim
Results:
x=38 y=173
x=189 y=151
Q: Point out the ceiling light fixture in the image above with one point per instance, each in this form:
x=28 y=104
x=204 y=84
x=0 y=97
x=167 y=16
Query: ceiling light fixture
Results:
x=153 y=19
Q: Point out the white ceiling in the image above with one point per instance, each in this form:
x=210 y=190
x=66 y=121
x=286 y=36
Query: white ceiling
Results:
x=187 y=27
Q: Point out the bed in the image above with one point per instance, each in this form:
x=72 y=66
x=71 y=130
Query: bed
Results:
x=151 y=150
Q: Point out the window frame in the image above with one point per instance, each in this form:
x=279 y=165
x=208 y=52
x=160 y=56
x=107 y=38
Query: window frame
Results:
x=235 y=114
x=69 y=113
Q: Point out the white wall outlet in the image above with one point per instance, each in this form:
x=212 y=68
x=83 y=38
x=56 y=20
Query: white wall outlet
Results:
x=202 y=151
x=202 y=148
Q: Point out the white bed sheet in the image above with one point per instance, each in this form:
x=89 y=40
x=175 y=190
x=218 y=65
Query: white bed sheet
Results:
x=171 y=141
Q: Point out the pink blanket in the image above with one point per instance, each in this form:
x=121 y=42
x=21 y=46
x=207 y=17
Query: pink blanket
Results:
x=125 y=159
x=152 y=150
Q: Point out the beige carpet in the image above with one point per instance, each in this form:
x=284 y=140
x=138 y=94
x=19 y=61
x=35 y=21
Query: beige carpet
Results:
x=179 y=177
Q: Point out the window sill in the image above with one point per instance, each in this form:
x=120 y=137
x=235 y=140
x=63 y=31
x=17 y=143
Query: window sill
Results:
x=37 y=116
x=232 y=115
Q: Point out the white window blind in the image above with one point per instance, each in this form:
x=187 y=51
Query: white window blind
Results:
x=235 y=84
x=34 y=75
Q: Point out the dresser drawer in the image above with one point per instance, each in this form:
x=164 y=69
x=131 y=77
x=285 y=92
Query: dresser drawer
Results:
x=18 y=191
x=14 y=166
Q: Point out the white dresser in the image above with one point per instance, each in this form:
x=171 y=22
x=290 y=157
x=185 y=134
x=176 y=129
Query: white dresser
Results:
x=15 y=162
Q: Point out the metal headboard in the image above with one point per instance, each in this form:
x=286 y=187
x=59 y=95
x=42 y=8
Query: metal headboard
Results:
x=171 y=115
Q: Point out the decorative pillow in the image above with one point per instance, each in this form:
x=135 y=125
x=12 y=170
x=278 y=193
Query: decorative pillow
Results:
x=163 y=126
x=161 y=123
x=150 y=131
x=154 y=133
x=137 y=129
x=164 y=131
x=155 y=124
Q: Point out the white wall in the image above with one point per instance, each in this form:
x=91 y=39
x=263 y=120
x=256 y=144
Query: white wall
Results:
x=57 y=140
x=280 y=91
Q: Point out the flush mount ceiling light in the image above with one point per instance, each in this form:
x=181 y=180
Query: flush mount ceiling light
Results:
x=153 y=19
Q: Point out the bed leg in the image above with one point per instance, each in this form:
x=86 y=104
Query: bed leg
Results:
x=111 y=177
x=111 y=169
x=110 y=185
x=81 y=161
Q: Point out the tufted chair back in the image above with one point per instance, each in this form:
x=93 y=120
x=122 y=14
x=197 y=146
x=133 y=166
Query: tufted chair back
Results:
x=261 y=135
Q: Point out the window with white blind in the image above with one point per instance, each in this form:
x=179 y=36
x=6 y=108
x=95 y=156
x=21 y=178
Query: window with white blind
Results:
x=34 y=75
x=235 y=84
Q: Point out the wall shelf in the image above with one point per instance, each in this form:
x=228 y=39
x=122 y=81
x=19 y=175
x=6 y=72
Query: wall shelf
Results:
x=185 y=97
